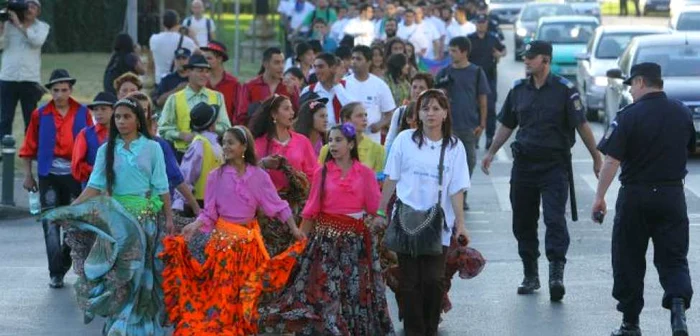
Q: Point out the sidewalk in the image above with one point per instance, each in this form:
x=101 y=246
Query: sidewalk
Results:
x=21 y=199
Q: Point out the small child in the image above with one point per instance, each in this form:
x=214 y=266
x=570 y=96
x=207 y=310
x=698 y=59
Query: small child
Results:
x=203 y=155
x=92 y=137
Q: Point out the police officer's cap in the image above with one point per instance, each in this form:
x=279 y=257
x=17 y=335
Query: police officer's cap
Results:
x=538 y=47
x=647 y=69
x=182 y=52
x=481 y=18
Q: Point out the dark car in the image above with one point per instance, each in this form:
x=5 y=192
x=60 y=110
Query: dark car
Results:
x=651 y=6
x=678 y=55
x=529 y=16
x=506 y=11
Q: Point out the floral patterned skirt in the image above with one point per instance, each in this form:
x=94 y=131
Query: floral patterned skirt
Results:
x=336 y=287
x=208 y=298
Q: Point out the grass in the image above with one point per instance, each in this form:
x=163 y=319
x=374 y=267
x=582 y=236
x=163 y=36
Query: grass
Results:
x=612 y=8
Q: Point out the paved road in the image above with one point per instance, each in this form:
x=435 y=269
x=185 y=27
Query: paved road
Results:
x=486 y=305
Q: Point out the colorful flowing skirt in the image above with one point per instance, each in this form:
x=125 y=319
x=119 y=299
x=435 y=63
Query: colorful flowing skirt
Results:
x=114 y=242
x=336 y=287
x=208 y=298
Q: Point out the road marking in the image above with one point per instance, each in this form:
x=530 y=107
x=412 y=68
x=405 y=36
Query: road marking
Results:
x=477 y=222
x=470 y=212
x=502 y=187
x=694 y=216
x=610 y=196
x=480 y=231
x=501 y=156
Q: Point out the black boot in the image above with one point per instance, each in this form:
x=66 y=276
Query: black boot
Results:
x=556 y=281
x=678 y=317
x=531 y=282
x=628 y=329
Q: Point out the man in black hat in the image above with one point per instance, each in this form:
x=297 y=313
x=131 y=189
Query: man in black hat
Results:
x=482 y=8
x=487 y=50
x=221 y=80
x=174 y=81
x=174 y=122
x=650 y=139
x=92 y=137
x=49 y=140
x=548 y=110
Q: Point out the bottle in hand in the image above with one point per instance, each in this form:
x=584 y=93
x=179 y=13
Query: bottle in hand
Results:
x=34 y=203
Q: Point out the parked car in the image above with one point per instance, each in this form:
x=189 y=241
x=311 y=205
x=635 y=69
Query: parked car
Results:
x=506 y=11
x=676 y=6
x=678 y=55
x=569 y=36
x=527 y=21
x=586 y=7
x=650 y=6
x=687 y=19
x=601 y=54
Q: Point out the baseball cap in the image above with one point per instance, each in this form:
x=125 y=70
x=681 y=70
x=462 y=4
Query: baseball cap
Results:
x=182 y=52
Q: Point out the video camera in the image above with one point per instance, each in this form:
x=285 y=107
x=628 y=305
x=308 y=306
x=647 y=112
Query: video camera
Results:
x=17 y=6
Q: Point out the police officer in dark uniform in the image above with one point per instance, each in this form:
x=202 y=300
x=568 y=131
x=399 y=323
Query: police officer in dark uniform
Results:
x=487 y=50
x=650 y=139
x=483 y=8
x=548 y=110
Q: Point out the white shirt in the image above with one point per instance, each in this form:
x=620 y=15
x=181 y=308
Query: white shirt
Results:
x=362 y=30
x=297 y=18
x=337 y=91
x=414 y=34
x=431 y=34
x=338 y=29
x=455 y=29
x=163 y=47
x=394 y=126
x=375 y=96
x=21 y=58
x=199 y=26
x=416 y=172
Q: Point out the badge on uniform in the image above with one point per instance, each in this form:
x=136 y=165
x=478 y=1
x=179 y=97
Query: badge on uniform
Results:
x=610 y=130
x=577 y=104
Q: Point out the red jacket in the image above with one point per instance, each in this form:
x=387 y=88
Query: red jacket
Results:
x=255 y=91
x=229 y=87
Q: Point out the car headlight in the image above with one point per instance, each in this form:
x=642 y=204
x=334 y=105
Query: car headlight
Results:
x=600 y=81
x=521 y=32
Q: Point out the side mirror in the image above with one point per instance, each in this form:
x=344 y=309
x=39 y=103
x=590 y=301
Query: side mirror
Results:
x=583 y=57
x=614 y=73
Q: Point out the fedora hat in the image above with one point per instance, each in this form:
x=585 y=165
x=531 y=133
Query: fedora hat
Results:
x=60 y=76
x=203 y=116
x=217 y=47
x=197 y=61
x=103 y=99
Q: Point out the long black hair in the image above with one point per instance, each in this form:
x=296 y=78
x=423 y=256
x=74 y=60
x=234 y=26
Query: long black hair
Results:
x=442 y=100
x=409 y=112
x=354 y=154
x=394 y=67
x=305 y=121
x=242 y=135
x=262 y=123
x=135 y=107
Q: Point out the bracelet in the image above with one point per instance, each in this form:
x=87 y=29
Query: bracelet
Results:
x=381 y=213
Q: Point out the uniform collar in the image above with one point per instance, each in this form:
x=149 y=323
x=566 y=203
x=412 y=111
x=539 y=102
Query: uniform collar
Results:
x=652 y=95
x=549 y=81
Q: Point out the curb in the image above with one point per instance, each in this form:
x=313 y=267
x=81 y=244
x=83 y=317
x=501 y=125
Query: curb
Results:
x=12 y=212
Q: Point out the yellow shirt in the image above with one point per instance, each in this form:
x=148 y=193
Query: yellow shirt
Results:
x=371 y=154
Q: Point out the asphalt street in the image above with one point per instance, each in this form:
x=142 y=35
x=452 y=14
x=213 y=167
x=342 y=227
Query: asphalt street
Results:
x=487 y=305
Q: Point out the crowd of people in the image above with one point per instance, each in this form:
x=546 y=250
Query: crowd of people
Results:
x=288 y=203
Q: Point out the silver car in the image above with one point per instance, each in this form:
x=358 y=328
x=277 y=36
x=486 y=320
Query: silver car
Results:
x=687 y=19
x=506 y=11
x=586 y=7
x=601 y=54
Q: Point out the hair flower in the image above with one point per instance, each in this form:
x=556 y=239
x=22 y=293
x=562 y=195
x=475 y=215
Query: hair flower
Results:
x=348 y=130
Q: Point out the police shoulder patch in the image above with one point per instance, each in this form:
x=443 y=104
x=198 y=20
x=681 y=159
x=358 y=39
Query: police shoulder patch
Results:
x=566 y=82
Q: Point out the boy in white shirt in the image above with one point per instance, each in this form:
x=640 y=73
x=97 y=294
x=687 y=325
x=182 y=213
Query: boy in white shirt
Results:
x=410 y=31
x=432 y=34
x=362 y=27
x=460 y=26
x=202 y=29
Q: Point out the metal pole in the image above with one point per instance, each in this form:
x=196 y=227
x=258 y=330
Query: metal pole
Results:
x=132 y=12
x=237 y=40
x=8 y=170
x=161 y=11
x=254 y=34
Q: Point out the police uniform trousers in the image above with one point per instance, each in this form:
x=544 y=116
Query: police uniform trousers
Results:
x=491 y=112
x=659 y=213
x=532 y=182
x=56 y=191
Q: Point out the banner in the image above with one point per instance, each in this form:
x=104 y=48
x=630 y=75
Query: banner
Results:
x=433 y=66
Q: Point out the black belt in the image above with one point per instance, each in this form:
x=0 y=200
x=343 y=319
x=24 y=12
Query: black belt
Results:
x=667 y=183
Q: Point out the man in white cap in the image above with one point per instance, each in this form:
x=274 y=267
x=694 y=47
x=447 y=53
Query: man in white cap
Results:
x=21 y=64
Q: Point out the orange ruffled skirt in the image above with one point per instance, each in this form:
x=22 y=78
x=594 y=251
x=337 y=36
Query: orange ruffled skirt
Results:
x=210 y=299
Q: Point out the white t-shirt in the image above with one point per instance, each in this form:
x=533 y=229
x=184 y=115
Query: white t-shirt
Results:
x=376 y=97
x=416 y=172
x=297 y=18
x=338 y=29
x=362 y=30
x=414 y=34
x=455 y=29
x=163 y=47
x=337 y=91
x=431 y=34
x=200 y=28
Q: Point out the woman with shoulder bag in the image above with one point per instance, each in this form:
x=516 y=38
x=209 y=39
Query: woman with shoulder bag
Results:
x=424 y=220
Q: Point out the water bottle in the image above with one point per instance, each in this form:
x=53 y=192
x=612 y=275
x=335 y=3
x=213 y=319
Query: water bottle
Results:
x=34 y=203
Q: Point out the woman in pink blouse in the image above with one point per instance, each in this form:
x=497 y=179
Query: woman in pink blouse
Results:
x=337 y=288
x=208 y=298
x=288 y=157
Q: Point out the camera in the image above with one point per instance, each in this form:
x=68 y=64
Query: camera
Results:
x=17 y=6
x=444 y=82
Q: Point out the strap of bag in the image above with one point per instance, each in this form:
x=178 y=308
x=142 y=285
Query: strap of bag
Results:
x=441 y=169
x=179 y=45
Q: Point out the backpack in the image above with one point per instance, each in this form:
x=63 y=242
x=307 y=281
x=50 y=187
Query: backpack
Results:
x=188 y=23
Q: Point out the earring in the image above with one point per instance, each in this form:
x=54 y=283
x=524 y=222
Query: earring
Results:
x=274 y=121
x=243 y=156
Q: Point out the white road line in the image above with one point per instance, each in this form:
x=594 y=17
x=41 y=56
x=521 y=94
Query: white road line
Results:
x=501 y=156
x=477 y=222
x=471 y=212
x=502 y=187
x=480 y=231
x=611 y=196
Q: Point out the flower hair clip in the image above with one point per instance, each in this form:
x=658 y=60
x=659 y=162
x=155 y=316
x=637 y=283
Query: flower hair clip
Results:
x=314 y=104
x=348 y=130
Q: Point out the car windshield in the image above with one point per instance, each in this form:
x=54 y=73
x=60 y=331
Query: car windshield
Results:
x=689 y=22
x=534 y=13
x=566 y=32
x=612 y=45
x=675 y=61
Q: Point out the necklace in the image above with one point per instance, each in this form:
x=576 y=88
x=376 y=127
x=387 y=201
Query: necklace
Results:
x=433 y=144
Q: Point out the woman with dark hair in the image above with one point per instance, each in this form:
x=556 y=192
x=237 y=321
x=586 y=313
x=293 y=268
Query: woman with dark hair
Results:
x=119 y=221
x=294 y=80
x=412 y=59
x=313 y=122
x=411 y=172
x=420 y=82
x=287 y=156
x=397 y=69
x=394 y=46
x=124 y=59
x=336 y=287
x=377 y=66
x=207 y=297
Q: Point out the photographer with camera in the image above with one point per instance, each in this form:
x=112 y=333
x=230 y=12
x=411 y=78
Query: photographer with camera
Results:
x=22 y=36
